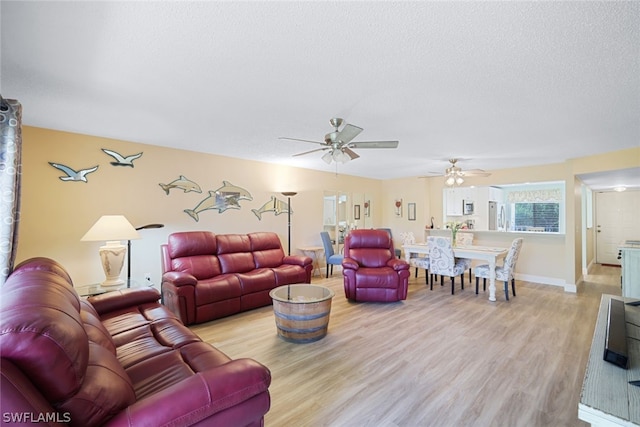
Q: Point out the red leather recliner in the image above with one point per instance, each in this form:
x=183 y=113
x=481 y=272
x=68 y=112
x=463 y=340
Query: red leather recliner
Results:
x=370 y=269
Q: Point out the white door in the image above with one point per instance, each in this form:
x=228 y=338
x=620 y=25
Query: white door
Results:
x=617 y=220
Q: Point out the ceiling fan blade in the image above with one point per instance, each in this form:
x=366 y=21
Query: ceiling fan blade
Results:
x=374 y=144
x=475 y=172
x=350 y=153
x=312 y=151
x=348 y=132
x=303 y=140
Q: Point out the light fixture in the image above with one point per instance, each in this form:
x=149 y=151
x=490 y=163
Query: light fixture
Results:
x=289 y=194
x=453 y=176
x=112 y=229
x=328 y=157
x=620 y=188
x=337 y=155
x=144 y=227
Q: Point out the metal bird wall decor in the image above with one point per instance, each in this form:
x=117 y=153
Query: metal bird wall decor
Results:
x=73 y=175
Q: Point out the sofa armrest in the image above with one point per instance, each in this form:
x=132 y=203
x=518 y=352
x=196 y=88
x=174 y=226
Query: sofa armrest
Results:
x=398 y=264
x=297 y=260
x=350 y=263
x=179 y=278
x=202 y=396
x=123 y=298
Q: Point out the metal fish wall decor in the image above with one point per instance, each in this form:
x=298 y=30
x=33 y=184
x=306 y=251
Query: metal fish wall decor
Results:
x=225 y=197
x=181 y=183
x=274 y=205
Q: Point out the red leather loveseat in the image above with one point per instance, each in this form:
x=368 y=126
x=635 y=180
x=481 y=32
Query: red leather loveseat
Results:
x=208 y=276
x=118 y=359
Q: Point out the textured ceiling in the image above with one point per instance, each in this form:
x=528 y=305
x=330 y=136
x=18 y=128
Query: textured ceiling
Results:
x=498 y=84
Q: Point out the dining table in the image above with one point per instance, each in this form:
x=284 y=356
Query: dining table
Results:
x=489 y=254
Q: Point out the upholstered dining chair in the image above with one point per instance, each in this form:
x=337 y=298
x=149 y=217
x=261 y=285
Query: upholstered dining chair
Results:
x=330 y=256
x=505 y=272
x=370 y=269
x=444 y=263
x=415 y=260
x=465 y=239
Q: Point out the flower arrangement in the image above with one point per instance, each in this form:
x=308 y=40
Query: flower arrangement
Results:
x=455 y=226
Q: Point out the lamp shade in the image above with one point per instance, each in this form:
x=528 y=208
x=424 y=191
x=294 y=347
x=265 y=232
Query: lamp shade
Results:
x=111 y=227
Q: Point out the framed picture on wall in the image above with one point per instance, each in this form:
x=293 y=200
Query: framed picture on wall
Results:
x=356 y=212
x=411 y=214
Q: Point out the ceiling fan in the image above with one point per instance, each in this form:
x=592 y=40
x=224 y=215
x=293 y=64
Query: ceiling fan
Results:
x=454 y=175
x=339 y=143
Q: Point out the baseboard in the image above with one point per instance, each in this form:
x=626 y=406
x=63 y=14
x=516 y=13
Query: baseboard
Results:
x=554 y=281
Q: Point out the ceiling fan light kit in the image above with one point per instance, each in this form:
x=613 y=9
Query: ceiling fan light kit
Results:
x=338 y=143
x=454 y=175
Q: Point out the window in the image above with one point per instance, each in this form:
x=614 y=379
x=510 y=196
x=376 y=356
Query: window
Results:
x=537 y=217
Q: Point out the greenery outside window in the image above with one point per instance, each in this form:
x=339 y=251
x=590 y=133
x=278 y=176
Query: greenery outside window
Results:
x=537 y=217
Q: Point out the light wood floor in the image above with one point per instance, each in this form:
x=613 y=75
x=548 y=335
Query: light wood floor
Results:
x=435 y=359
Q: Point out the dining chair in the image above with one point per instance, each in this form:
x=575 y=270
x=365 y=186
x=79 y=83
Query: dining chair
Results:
x=329 y=254
x=505 y=272
x=415 y=260
x=444 y=263
x=465 y=239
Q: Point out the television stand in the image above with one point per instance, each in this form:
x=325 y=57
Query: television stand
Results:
x=607 y=398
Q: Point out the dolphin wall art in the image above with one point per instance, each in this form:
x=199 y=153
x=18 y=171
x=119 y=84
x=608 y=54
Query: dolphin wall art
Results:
x=182 y=183
x=274 y=205
x=225 y=197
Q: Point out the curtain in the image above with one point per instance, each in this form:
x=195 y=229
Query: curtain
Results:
x=535 y=196
x=10 y=174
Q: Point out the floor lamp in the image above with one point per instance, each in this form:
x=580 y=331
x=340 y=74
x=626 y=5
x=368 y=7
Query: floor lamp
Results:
x=144 y=227
x=289 y=194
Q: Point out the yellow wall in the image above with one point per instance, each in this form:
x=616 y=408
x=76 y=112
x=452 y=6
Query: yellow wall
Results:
x=56 y=214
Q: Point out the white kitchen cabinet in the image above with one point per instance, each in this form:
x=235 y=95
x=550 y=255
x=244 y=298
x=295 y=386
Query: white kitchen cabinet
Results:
x=454 y=197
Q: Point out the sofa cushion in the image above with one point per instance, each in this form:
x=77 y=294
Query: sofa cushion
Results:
x=260 y=279
x=94 y=328
x=220 y=288
x=52 y=348
x=106 y=390
x=267 y=250
x=191 y=243
x=287 y=274
x=194 y=253
x=234 y=253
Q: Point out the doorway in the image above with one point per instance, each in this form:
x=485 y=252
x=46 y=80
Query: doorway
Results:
x=616 y=221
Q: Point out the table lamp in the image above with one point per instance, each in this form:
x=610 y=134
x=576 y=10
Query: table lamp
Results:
x=112 y=229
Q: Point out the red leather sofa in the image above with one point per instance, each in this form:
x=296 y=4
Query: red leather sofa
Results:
x=117 y=359
x=208 y=276
x=370 y=269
